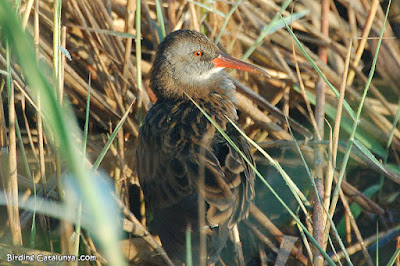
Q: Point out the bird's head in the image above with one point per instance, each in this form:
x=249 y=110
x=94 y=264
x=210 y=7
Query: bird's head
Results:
x=189 y=62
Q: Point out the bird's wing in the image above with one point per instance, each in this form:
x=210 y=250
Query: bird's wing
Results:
x=179 y=153
x=167 y=177
x=238 y=175
x=179 y=159
x=218 y=173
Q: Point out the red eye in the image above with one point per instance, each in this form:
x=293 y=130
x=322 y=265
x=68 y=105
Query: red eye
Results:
x=198 y=53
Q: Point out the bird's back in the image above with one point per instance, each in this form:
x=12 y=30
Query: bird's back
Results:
x=181 y=155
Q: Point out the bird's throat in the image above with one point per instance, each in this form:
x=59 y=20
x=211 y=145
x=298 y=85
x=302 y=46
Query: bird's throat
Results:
x=209 y=74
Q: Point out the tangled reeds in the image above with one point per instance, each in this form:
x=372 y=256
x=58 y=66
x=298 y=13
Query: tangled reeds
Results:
x=328 y=115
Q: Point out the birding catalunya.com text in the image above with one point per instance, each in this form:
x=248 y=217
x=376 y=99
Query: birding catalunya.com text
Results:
x=48 y=258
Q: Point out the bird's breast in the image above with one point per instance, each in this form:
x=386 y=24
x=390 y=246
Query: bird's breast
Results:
x=180 y=122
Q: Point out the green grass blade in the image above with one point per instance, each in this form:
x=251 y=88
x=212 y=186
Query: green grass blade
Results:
x=265 y=31
x=216 y=11
x=160 y=19
x=335 y=196
x=62 y=125
x=370 y=156
x=318 y=195
x=346 y=105
x=324 y=254
x=394 y=257
x=334 y=250
x=301 y=199
x=85 y=136
x=107 y=32
x=388 y=144
x=86 y=128
x=287 y=20
x=356 y=209
x=347 y=125
x=228 y=16
x=189 y=258
x=111 y=139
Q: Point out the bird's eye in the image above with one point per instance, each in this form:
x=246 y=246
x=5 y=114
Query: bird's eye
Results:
x=198 y=53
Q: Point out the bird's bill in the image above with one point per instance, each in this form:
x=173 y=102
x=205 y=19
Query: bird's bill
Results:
x=223 y=60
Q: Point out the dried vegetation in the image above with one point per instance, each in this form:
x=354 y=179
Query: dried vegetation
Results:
x=339 y=37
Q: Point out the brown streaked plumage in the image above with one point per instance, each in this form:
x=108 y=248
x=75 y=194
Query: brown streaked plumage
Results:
x=181 y=154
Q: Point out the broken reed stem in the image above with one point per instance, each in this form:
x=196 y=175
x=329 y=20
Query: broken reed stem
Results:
x=318 y=212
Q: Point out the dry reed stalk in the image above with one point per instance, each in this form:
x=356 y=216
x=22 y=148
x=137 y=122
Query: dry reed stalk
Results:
x=363 y=40
x=238 y=245
x=267 y=224
x=261 y=237
x=355 y=228
x=334 y=145
x=367 y=242
x=12 y=177
x=67 y=228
